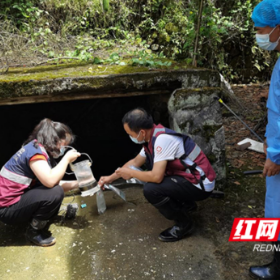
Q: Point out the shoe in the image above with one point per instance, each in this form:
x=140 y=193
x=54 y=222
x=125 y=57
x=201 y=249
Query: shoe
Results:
x=177 y=232
x=39 y=237
x=268 y=271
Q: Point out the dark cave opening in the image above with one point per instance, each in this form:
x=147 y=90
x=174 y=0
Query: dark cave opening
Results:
x=97 y=124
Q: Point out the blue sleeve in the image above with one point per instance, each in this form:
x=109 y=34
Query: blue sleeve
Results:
x=273 y=114
x=273 y=154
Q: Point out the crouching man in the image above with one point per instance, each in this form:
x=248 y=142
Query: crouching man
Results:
x=179 y=172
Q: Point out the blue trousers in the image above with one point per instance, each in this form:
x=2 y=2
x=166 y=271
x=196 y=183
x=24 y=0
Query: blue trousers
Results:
x=272 y=197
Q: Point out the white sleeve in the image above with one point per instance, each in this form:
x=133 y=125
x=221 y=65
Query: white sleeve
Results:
x=142 y=153
x=165 y=148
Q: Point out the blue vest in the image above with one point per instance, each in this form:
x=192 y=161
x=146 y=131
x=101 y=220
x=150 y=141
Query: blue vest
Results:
x=16 y=175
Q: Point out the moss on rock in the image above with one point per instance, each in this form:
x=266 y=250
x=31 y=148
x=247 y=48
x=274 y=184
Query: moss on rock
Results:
x=63 y=82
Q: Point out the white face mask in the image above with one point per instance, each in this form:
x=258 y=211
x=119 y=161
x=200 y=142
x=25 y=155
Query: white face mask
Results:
x=263 y=41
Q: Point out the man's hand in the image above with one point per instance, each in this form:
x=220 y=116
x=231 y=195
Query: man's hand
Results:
x=104 y=180
x=270 y=168
x=124 y=172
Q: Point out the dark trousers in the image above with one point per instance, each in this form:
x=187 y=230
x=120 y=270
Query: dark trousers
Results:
x=175 y=187
x=41 y=203
x=172 y=193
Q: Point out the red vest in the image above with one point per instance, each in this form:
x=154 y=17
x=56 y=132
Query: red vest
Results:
x=177 y=166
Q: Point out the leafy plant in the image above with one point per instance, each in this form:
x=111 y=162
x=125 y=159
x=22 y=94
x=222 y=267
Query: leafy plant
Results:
x=153 y=31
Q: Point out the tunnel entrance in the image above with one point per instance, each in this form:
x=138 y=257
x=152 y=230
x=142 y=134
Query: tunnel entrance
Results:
x=94 y=105
x=95 y=122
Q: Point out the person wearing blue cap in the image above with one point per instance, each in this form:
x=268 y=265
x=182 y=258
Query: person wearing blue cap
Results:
x=266 y=18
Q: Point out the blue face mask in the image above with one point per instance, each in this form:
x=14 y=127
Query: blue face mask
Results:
x=263 y=41
x=135 y=140
x=62 y=151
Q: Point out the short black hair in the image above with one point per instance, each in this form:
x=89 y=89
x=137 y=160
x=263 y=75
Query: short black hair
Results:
x=138 y=119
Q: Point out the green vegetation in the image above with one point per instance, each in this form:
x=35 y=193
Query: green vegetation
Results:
x=152 y=33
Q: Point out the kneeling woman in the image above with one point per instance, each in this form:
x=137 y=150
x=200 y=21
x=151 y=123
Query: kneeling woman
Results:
x=31 y=189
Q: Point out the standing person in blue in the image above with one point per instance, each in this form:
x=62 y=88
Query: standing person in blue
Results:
x=31 y=189
x=179 y=172
x=266 y=18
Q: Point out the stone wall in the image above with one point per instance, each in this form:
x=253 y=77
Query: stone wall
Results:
x=196 y=112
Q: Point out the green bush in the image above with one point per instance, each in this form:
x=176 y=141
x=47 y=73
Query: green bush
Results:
x=168 y=28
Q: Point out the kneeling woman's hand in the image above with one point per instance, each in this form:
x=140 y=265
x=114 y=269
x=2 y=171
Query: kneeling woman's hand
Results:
x=51 y=177
x=72 y=155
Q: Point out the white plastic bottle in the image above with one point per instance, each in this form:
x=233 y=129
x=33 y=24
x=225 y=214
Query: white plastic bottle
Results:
x=100 y=201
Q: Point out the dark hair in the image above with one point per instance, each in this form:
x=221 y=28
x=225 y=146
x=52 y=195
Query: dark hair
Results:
x=49 y=133
x=138 y=119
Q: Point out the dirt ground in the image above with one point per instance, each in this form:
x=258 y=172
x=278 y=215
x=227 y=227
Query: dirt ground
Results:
x=251 y=108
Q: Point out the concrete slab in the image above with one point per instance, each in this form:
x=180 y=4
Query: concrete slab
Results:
x=122 y=243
